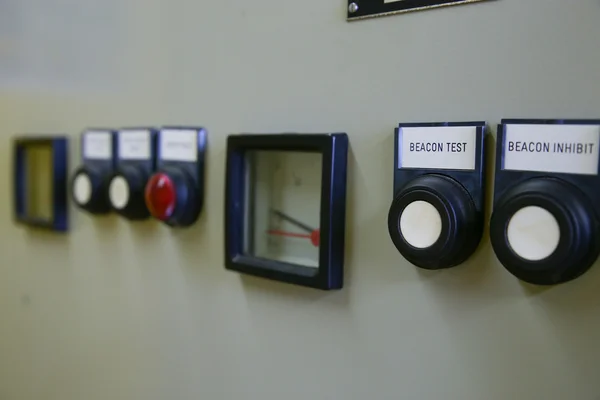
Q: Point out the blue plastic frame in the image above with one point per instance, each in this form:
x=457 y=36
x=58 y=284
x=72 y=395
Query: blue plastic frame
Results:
x=334 y=149
x=59 y=144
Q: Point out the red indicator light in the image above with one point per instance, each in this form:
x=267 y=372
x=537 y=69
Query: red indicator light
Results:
x=161 y=196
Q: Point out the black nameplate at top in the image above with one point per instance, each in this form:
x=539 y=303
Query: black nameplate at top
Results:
x=360 y=9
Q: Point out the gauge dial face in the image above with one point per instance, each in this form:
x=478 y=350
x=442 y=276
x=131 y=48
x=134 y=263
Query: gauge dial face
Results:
x=283 y=206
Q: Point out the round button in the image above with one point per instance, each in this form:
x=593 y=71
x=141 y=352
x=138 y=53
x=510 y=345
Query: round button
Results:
x=126 y=192
x=172 y=196
x=421 y=224
x=434 y=222
x=161 y=196
x=545 y=231
x=89 y=189
x=118 y=192
x=533 y=233
x=82 y=188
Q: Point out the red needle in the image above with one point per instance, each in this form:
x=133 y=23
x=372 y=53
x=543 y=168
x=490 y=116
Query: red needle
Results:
x=314 y=236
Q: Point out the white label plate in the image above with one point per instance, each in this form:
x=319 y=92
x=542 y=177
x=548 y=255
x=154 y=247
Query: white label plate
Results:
x=179 y=145
x=437 y=147
x=135 y=145
x=568 y=149
x=97 y=145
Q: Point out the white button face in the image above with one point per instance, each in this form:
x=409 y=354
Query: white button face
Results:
x=82 y=188
x=421 y=224
x=118 y=192
x=533 y=233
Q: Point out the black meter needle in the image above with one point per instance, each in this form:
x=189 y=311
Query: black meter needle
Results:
x=292 y=221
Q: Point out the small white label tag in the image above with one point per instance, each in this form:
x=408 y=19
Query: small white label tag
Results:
x=179 y=145
x=568 y=149
x=135 y=145
x=437 y=147
x=97 y=145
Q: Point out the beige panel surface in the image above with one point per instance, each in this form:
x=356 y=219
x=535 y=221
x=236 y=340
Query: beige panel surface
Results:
x=124 y=311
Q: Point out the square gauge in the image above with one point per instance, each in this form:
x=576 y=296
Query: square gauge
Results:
x=285 y=207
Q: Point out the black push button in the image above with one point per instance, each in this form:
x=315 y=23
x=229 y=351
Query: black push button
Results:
x=89 y=185
x=545 y=231
x=545 y=228
x=126 y=192
x=436 y=217
x=136 y=160
x=434 y=223
x=88 y=190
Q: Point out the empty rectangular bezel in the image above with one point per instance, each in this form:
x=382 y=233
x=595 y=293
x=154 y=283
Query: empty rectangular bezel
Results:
x=59 y=145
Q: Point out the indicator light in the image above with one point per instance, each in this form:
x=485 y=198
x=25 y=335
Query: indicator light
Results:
x=174 y=194
x=161 y=196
